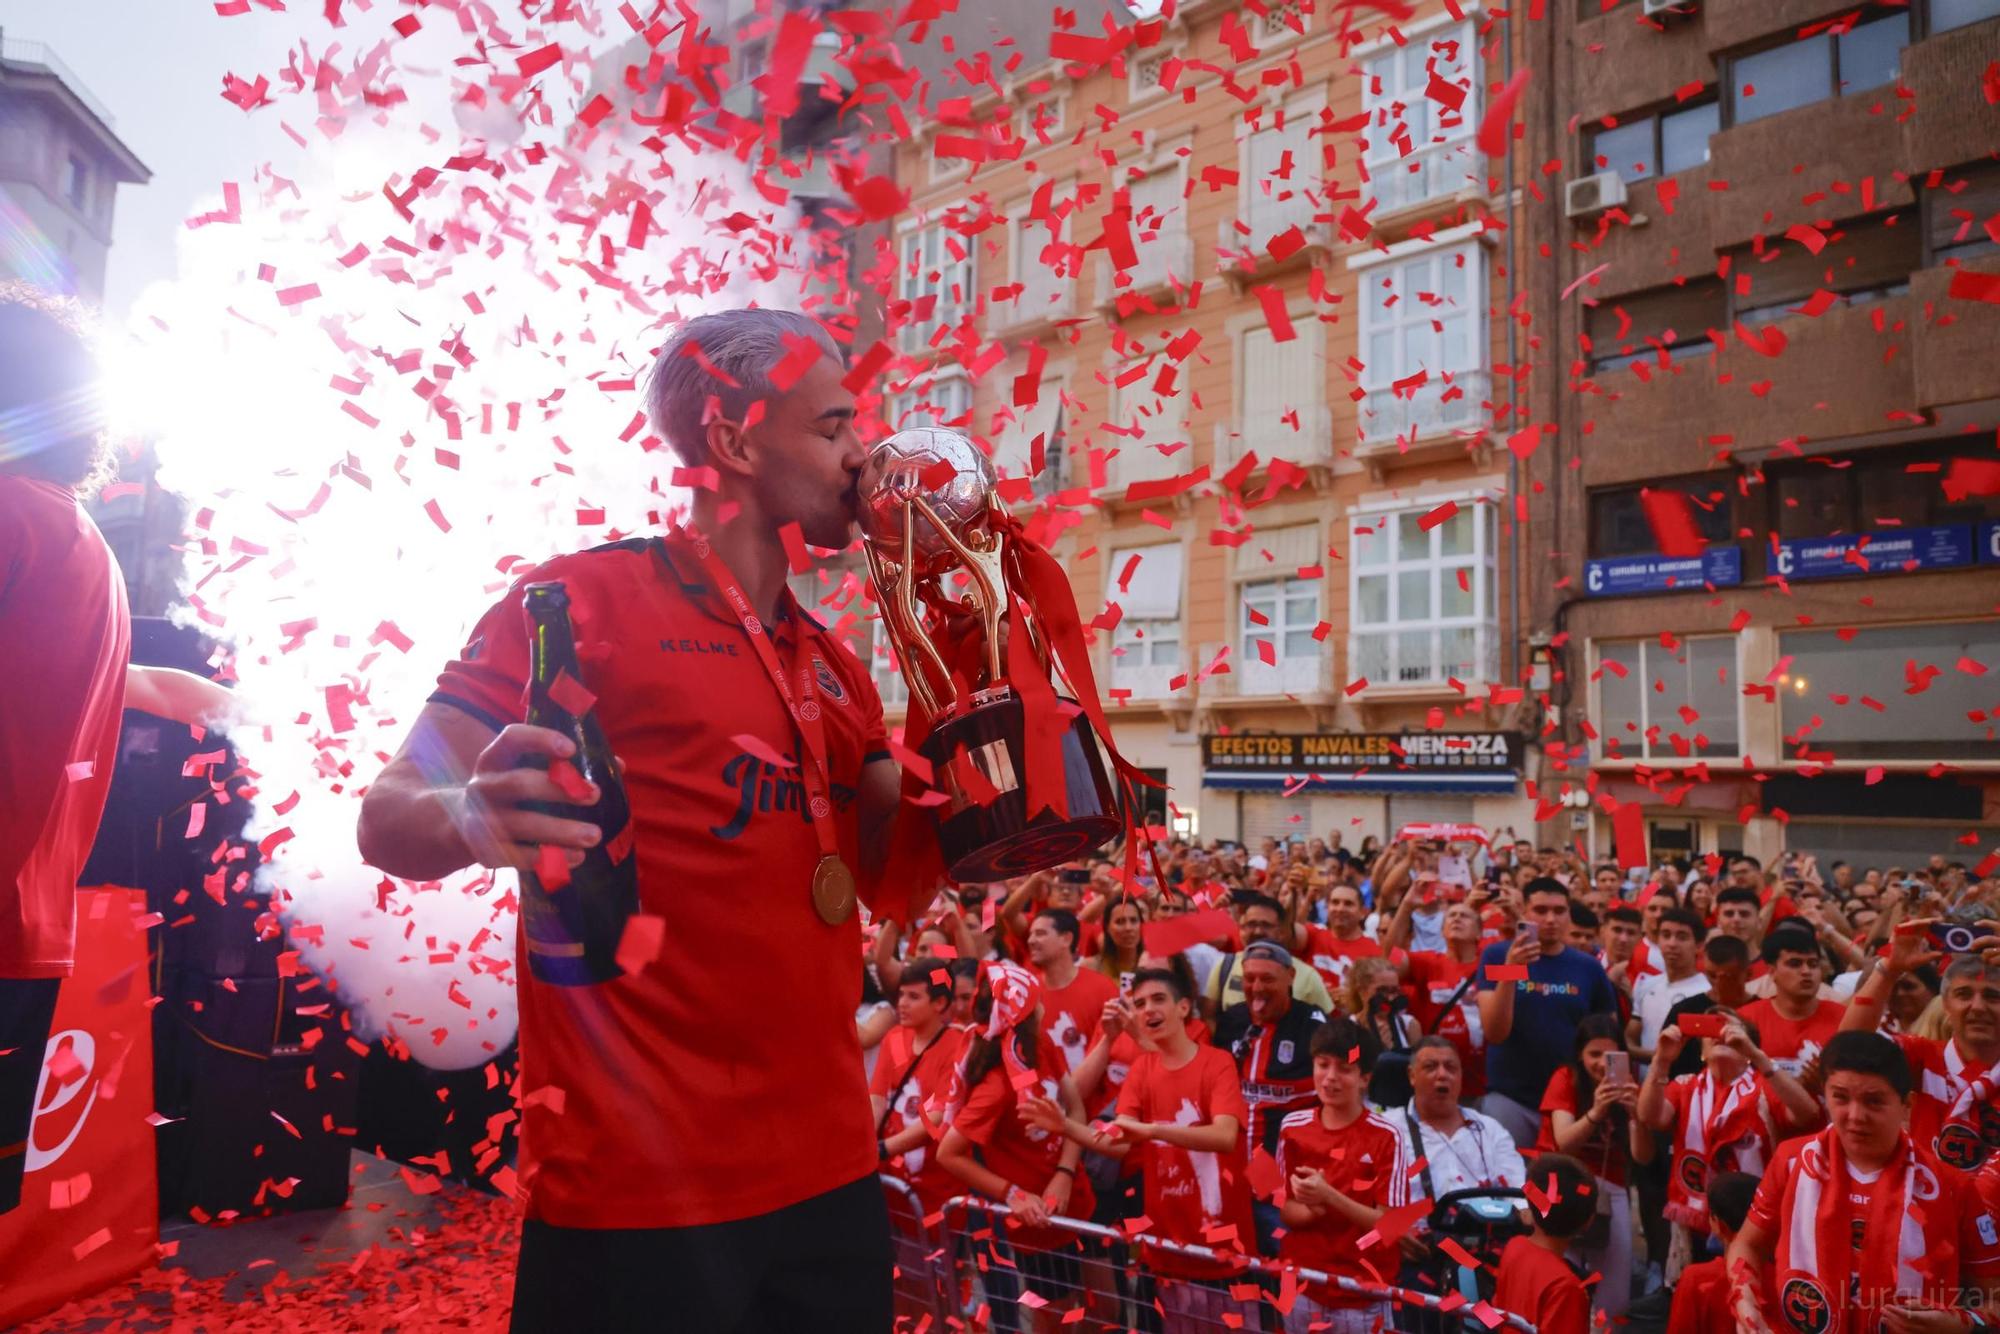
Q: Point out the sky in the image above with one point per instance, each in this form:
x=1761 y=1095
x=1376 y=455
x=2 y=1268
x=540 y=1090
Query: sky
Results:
x=158 y=66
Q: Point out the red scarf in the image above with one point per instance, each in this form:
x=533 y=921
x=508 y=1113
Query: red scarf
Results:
x=1818 y=1254
x=1728 y=1128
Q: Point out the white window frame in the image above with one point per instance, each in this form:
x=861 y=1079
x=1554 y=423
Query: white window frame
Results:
x=1633 y=745
x=1258 y=206
x=1170 y=251
x=1045 y=294
x=1136 y=641
x=1137 y=460
x=1440 y=176
x=1013 y=442
x=913 y=281
x=1384 y=668
x=1290 y=673
x=889 y=682
x=1261 y=427
x=1427 y=413
x=906 y=409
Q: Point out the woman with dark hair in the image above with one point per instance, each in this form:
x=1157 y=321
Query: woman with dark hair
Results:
x=1590 y=1117
x=1118 y=954
x=992 y=1149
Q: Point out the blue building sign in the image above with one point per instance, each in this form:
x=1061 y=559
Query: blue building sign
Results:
x=1888 y=551
x=1989 y=542
x=1622 y=576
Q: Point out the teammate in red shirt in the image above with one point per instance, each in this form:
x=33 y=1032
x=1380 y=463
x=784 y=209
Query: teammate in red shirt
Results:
x=67 y=635
x=1073 y=996
x=1181 y=1115
x=668 y=1153
x=1444 y=993
x=915 y=1065
x=1701 y=1298
x=1793 y=1021
x=1342 y=1167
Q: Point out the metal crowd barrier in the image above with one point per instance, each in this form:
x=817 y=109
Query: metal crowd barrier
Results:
x=959 y=1270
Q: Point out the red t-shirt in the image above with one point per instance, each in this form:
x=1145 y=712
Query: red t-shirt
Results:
x=1365 y=1161
x=1334 y=956
x=1941 y=1072
x=1070 y=1016
x=1790 y=1044
x=1952 y=1225
x=1125 y=1051
x=674 y=1108
x=1540 y=1287
x=907 y=1079
x=1701 y=1300
x=66 y=641
x=1191 y=1195
x=1026 y=1156
x=1608 y=1152
x=1434 y=978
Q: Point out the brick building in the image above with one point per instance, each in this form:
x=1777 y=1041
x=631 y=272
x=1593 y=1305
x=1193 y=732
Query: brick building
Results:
x=1237 y=272
x=1749 y=306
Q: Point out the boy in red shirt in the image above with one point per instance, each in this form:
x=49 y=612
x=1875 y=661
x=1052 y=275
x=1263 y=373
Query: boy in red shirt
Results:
x=1073 y=996
x=1793 y=1022
x=1701 y=1298
x=1181 y=1110
x=1536 y=1283
x=1860 y=1226
x=916 y=1063
x=1342 y=1168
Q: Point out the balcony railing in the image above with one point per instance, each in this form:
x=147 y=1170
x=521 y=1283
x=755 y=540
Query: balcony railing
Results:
x=1137 y=461
x=1311 y=446
x=17 y=52
x=1433 y=655
x=1435 y=171
x=1250 y=677
x=1045 y=298
x=1436 y=408
x=1169 y=253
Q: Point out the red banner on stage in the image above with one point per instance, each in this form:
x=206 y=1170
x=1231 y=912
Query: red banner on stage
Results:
x=89 y=1211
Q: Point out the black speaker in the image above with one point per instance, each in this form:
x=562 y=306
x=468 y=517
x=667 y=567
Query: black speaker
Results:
x=265 y=1096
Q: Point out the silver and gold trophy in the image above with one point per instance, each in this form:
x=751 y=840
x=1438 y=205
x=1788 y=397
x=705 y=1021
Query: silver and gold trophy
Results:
x=941 y=549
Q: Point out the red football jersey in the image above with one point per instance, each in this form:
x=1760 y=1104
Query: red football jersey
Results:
x=648 y=1100
x=1537 y=1285
x=1434 y=979
x=1941 y=1072
x=1027 y=1156
x=1334 y=956
x=68 y=637
x=1070 y=1016
x=1191 y=1195
x=1791 y=1044
x=906 y=1079
x=1364 y=1160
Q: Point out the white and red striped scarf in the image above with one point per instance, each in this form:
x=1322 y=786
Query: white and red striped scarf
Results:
x=1726 y=1129
x=1016 y=993
x=1817 y=1253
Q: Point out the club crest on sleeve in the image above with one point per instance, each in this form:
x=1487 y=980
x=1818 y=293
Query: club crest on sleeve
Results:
x=828 y=680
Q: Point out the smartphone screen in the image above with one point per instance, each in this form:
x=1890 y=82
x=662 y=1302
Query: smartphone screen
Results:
x=1617 y=1067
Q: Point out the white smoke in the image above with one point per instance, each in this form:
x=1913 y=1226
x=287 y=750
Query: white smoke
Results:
x=332 y=383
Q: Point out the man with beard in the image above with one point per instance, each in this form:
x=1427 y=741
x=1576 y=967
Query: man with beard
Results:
x=1270 y=1036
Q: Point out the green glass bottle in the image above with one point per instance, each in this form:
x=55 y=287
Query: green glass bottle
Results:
x=573 y=929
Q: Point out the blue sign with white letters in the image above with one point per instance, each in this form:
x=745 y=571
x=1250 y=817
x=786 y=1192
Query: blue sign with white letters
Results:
x=1887 y=551
x=1989 y=542
x=1622 y=576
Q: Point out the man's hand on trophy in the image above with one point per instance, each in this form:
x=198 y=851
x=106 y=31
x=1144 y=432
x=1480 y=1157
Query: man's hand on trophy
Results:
x=965 y=632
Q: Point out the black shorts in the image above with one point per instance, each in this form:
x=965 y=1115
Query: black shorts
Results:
x=822 y=1264
x=27 y=1012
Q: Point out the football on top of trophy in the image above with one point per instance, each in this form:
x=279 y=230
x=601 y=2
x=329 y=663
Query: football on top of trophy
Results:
x=948 y=473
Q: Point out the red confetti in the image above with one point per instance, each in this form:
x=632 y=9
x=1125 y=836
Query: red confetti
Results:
x=1497 y=124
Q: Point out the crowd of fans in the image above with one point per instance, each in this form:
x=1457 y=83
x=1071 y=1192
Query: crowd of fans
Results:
x=1717 y=1095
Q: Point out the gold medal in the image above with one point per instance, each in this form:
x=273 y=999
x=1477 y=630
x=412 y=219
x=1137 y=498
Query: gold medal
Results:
x=833 y=890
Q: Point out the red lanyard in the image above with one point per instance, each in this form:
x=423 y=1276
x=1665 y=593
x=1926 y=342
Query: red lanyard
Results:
x=803 y=706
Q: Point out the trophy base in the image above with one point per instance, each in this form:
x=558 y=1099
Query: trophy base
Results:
x=994 y=839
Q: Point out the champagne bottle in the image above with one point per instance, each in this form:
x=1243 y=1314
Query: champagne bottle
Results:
x=573 y=929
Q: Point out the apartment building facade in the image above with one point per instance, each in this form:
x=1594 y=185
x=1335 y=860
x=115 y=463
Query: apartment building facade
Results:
x=1745 y=313
x=1219 y=291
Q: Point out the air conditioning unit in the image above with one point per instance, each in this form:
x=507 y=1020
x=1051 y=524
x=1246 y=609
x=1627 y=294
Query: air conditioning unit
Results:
x=1667 y=10
x=1588 y=196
